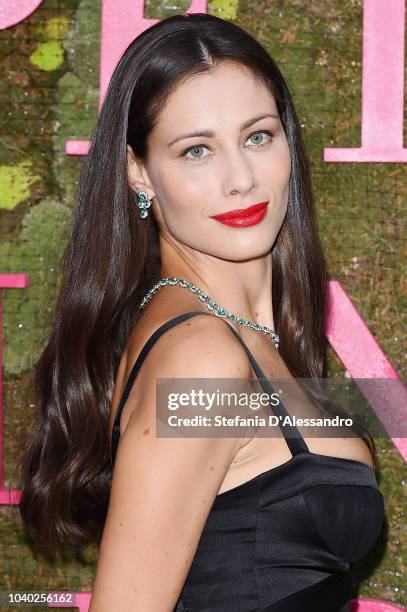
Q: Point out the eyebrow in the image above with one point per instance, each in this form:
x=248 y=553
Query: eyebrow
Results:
x=211 y=134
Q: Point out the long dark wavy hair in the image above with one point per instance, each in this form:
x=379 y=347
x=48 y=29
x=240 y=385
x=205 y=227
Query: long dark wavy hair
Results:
x=112 y=258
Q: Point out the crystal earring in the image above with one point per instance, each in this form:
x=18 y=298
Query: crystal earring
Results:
x=143 y=202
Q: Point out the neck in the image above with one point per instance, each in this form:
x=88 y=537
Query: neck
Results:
x=241 y=287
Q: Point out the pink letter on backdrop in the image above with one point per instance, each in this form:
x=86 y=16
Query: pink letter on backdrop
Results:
x=122 y=21
x=81 y=599
x=362 y=604
x=382 y=86
x=359 y=352
x=7 y=281
x=14 y=11
x=366 y=604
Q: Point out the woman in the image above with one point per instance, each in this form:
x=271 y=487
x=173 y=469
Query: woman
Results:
x=197 y=122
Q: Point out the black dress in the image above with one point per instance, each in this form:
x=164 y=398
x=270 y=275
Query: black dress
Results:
x=287 y=539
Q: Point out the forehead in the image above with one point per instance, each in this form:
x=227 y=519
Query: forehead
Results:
x=229 y=93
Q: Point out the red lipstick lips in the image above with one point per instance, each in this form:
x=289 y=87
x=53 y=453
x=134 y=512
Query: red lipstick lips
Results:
x=243 y=217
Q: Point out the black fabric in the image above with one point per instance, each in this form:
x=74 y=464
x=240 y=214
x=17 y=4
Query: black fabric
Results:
x=287 y=539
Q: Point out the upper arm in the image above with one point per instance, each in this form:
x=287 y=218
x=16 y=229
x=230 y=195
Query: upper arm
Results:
x=163 y=488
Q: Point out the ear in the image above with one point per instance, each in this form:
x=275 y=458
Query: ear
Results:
x=137 y=174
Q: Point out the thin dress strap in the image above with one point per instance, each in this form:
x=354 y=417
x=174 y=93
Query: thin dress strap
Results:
x=296 y=444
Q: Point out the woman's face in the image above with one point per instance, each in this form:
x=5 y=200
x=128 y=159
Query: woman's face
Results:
x=217 y=146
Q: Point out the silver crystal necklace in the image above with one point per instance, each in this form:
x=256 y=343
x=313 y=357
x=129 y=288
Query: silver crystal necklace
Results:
x=212 y=306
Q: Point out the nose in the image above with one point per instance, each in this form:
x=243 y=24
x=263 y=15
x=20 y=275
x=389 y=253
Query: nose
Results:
x=238 y=174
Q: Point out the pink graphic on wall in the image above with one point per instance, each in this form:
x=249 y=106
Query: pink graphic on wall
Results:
x=363 y=358
x=366 y=604
x=81 y=599
x=382 y=108
x=7 y=281
x=361 y=604
x=14 y=11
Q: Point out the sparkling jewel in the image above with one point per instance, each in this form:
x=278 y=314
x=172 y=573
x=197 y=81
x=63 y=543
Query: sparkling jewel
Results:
x=211 y=305
x=143 y=202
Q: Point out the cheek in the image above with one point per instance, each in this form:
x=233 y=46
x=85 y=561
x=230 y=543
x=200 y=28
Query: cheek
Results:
x=275 y=169
x=184 y=188
x=183 y=196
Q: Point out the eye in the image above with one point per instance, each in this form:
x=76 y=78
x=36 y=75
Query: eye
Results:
x=190 y=153
x=194 y=153
x=258 y=140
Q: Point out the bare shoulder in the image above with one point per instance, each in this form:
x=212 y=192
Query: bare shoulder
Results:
x=200 y=344
x=163 y=488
